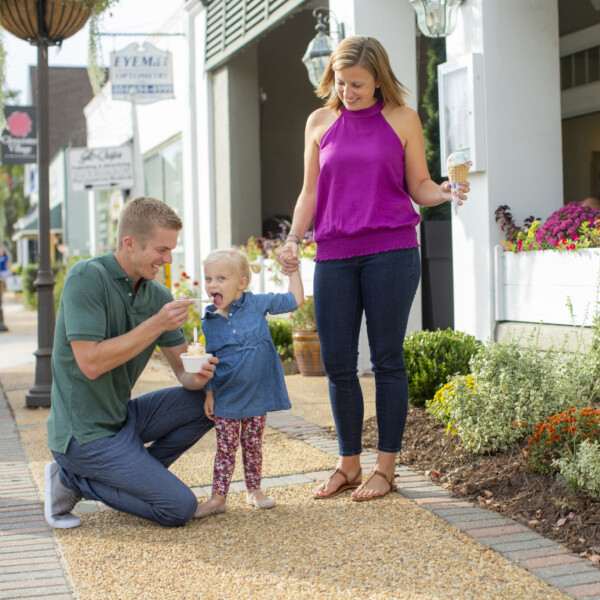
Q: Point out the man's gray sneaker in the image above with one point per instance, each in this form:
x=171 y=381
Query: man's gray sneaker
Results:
x=58 y=500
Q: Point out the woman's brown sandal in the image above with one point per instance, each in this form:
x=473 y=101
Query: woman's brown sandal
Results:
x=347 y=486
x=390 y=481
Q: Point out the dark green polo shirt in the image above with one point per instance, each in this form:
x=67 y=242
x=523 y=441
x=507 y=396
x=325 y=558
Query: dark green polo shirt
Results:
x=98 y=303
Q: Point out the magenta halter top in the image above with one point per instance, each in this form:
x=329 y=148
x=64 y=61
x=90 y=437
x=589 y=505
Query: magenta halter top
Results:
x=363 y=206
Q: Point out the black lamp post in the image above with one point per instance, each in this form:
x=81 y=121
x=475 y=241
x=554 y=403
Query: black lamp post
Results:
x=43 y=23
x=3 y=326
x=39 y=394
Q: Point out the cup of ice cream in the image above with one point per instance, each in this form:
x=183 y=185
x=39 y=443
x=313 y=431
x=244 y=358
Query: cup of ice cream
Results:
x=194 y=358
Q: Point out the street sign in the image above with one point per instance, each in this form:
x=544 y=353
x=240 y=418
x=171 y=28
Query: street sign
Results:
x=100 y=168
x=19 y=139
x=143 y=71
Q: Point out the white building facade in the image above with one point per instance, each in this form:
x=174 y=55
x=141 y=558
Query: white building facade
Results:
x=227 y=151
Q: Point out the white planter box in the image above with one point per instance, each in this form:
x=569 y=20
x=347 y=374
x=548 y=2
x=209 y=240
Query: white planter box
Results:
x=270 y=278
x=538 y=286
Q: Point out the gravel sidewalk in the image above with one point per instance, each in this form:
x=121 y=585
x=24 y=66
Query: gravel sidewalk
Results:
x=417 y=544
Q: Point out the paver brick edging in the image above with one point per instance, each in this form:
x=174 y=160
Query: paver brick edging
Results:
x=29 y=560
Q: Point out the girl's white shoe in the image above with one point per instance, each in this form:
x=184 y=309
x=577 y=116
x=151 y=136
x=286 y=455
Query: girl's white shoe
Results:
x=264 y=502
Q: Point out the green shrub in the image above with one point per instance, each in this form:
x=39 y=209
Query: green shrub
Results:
x=60 y=278
x=583 y=469
x=281 y=334
x=514 y=389
x=30 y=291
x=432 y=357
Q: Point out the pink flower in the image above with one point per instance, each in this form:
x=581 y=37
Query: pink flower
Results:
x=19 y=124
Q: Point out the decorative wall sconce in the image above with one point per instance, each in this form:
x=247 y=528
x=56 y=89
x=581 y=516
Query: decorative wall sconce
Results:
x=436 y=18
x=319 y=49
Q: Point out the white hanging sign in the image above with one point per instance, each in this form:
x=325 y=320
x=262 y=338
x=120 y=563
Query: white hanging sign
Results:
x=143 y=71
x=100 y=168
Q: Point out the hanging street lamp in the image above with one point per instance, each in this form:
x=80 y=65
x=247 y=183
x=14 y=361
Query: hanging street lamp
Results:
x=436 y=18
x=319 y=49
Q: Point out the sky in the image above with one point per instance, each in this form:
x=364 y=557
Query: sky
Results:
x=127 y=16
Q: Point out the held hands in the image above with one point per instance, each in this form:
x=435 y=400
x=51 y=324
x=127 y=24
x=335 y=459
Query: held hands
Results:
x=463 y=189
x=288 y=257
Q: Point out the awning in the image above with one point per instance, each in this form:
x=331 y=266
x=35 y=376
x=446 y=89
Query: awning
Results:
x=27 y=226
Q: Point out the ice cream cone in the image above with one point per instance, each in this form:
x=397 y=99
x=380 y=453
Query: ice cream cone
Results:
x=458 y=170
x=458 y=175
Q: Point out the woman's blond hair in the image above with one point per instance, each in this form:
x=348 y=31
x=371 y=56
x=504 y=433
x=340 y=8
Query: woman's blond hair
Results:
x=366 y=52
x=237 y=259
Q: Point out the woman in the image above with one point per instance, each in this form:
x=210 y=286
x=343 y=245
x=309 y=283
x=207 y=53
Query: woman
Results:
x=364 y=160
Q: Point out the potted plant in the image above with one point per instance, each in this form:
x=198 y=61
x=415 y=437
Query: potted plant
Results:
x=305 y=338
x=61 y=19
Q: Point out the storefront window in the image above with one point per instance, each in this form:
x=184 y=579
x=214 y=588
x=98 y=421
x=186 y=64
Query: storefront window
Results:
x=163 y=179
x=108 y=206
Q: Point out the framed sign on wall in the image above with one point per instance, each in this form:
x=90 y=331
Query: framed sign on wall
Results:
x=462 y=120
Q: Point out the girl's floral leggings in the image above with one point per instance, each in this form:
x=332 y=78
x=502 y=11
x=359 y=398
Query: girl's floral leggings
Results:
x=228 y=439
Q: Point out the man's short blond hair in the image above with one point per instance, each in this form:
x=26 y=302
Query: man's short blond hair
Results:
x=140 y=217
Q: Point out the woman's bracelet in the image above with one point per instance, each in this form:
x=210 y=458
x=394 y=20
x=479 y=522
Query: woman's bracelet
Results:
x=293 y=235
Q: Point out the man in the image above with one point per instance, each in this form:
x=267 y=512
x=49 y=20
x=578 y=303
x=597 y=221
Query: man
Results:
x=112 y=315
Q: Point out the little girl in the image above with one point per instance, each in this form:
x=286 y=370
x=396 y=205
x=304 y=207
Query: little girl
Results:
x=248 y=380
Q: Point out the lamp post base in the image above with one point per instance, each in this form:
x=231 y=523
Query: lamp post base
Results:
x=38 y=397
x=39 y=393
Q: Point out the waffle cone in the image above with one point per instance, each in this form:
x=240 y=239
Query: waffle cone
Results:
x=458 y=174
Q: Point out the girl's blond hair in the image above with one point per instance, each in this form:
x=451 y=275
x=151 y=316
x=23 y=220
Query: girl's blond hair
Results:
x=237 y=259
x=366 y=52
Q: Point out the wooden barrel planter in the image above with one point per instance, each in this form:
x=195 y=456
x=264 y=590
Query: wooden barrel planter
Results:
x=307 y=349
x=61 y=19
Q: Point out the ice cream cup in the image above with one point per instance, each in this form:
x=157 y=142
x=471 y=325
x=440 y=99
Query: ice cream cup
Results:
x=193 y=364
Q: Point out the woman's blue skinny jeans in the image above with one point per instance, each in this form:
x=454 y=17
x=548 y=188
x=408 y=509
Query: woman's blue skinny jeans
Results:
x=383 y=286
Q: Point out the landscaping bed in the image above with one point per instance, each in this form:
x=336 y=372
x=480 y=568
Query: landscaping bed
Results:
x=500 y=482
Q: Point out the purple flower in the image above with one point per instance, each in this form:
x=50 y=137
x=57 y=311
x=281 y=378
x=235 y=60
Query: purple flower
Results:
x=564 y=224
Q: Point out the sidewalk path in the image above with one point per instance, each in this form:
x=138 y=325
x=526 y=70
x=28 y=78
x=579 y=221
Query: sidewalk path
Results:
x=419 y=544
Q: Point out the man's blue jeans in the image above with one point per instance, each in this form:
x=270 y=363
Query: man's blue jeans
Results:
x=384 y=286
x=123 y=473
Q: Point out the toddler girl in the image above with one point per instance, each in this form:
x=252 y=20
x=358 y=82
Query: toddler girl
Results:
x=248 y=380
